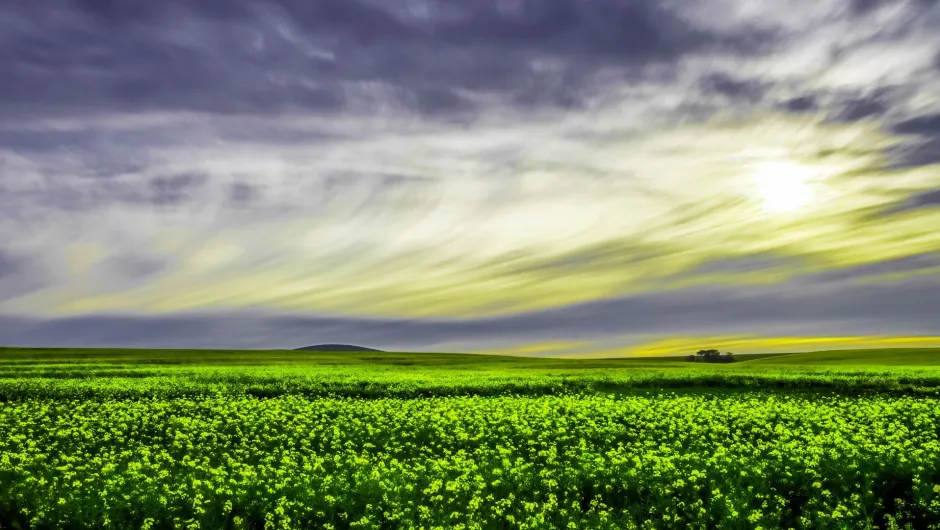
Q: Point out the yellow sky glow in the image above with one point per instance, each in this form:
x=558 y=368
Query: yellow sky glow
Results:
x=696 y=194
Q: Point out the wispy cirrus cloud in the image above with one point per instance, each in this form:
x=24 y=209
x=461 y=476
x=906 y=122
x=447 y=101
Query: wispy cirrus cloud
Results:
x=479 y=160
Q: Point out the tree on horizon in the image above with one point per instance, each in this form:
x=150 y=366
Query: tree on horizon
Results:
x=708 y=354
x=712 y=356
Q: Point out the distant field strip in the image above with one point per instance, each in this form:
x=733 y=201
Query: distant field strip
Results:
x=116 y=375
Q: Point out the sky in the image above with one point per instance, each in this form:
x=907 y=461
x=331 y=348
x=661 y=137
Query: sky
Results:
x=540 y=177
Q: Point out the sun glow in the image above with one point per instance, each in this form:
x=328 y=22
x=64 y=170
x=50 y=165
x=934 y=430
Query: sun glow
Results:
x=783 y=186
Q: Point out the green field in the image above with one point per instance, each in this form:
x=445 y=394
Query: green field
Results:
x=879 y=357
x=290 y=439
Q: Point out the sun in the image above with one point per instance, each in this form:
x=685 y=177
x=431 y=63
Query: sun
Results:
x=783 y=186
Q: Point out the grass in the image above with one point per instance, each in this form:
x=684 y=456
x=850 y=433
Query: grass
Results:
x=298 y=439
x=281 y=357
x=873 y=357
x=866 y=357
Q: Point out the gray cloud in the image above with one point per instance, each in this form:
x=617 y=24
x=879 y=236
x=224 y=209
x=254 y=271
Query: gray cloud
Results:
x=865 y=7
x=781 y=310
x=19 y=275
x=927 y=125
x=727 y=85
x=805 y=103
x=917 y=153
x=862 y=7
x=861 y=108
x=133 y=267
x=174 y=189
x=241 y=193
x=9 y=265
x=751 y=263
x=927 y=199
x=130 y=123
x=924 y=147
x=609 y=255
x=908 y=264
x=164 y=191
x=276 y=56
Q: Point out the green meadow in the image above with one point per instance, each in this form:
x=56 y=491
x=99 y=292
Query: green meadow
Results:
x=299 y=439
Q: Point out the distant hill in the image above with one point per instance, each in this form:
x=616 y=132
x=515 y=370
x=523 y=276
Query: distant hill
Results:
x=335 y=347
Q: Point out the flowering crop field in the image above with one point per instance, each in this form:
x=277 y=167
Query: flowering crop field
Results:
x=106 y=442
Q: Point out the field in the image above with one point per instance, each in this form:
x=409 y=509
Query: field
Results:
x=194 y=439
x=880 y=357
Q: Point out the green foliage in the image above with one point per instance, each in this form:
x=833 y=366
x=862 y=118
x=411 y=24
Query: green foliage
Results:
x=712 y=356
x=126 y=445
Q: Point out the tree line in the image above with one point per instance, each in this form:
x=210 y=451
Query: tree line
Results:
x=712 y=356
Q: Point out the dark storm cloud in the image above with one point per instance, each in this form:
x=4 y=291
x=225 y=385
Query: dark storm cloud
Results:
x=900 y=308
x=263 y=57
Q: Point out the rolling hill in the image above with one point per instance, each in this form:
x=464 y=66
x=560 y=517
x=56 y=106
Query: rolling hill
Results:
x=336 y=347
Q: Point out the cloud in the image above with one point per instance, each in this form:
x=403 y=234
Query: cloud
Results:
x=726 y=85
x=426 y=219
x=745 y=264
x=134 y=266
x=922 y=149
x=927 y=199
x=907 y=265
x=19 y=275
x=484 y=159
x=9 y=265
x=243 y=194
x=927 y=125
x=800 y=104
x=322 y=55
x=774 y=311
x=174 y=189
x=862 y=108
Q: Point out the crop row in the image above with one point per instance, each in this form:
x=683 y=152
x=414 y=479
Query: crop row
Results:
x=741 y=460
x=136 y=381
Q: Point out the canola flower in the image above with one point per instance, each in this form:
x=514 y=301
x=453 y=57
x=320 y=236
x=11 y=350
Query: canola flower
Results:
x=367 y=448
